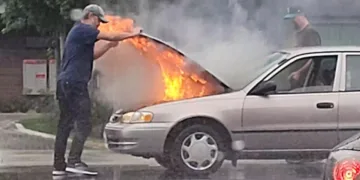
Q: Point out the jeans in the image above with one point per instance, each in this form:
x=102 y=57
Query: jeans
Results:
x=75 y=110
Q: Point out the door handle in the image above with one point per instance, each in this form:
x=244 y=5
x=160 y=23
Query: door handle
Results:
x=325 y=105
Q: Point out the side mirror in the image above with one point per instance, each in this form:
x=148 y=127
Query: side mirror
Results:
x=265 y=88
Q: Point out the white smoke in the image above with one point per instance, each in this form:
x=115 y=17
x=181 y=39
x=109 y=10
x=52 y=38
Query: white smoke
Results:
x=213 y=33
x=128 y=80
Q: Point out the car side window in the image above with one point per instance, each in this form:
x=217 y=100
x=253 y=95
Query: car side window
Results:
x=352 y=73
x=318 y=75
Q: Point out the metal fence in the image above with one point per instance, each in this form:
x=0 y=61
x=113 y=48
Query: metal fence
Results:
x=339 y=32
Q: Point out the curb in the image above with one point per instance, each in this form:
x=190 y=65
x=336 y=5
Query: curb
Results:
x=89 y=143
x=24 y=130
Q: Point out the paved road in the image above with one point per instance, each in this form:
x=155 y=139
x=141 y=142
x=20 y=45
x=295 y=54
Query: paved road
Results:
x=143 y=172
x=36 y=165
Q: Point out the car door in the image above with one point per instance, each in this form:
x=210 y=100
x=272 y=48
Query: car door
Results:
x=300 y=115
x=349 y=98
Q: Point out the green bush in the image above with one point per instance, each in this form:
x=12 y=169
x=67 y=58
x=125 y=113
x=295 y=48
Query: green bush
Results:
x=7 y=107
x=16 y=104
x=22 y=104
x=100 y=112
x=44 y=104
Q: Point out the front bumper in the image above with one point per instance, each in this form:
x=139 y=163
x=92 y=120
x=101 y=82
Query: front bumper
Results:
x=145 y=139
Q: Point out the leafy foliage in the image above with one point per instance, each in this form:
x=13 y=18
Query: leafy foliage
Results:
x=47 y=16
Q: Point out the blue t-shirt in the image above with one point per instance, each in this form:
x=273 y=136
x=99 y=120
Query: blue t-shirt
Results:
x=78 y=57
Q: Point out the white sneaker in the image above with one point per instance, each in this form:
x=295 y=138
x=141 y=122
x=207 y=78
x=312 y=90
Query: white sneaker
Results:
x=58 y=172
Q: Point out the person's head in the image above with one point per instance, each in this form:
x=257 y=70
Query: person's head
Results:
x=94 y=15
x=298 y=18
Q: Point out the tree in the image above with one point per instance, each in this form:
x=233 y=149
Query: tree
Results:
x=48 y=17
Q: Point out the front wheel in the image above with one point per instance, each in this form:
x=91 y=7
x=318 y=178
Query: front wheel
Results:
x=164 y=161
x=198 y=150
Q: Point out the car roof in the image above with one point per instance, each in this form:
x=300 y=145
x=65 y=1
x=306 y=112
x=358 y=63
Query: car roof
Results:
x=320 y=49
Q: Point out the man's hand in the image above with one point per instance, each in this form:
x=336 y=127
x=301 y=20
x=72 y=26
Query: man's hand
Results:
x=136 y=31
x=295 y=76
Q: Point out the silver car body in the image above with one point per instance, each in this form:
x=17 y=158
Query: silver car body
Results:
x=278 y=125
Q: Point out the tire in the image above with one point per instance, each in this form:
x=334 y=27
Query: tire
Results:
x=164 y=161
x=177 y=155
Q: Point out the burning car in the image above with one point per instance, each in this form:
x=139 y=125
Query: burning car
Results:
x=199 y=119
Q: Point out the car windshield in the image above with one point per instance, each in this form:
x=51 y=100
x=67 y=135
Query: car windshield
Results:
x=268 y=62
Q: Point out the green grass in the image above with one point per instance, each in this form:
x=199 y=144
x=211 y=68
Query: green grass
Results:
x=42 y=124
x=48 y=125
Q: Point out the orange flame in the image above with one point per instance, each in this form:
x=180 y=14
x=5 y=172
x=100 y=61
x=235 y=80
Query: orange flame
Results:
x=178 y=84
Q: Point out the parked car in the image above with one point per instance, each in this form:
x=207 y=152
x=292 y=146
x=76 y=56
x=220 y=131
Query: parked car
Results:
x=268 y=116
x=343 y=162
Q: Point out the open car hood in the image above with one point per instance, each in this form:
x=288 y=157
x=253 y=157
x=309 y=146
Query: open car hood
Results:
x=191 y=63
x=145 y=71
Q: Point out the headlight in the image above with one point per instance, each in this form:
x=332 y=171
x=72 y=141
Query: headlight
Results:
x=116 y=117
x=137 y=117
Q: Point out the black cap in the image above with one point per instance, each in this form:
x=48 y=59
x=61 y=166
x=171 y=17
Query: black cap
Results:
x=292 y=12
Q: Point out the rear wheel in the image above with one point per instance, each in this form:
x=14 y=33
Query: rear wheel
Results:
x=198 y=150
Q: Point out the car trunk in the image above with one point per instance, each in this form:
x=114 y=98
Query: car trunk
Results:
x=352 y=143
x=144 y=71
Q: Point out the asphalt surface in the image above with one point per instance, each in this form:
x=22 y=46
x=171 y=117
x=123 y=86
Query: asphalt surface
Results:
x=253 y=171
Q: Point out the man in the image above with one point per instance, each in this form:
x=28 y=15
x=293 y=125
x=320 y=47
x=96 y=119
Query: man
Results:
x=72 y=91
x=305 y=36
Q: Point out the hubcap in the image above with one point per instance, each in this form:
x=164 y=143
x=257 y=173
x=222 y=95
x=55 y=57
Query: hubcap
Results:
x=199 y=151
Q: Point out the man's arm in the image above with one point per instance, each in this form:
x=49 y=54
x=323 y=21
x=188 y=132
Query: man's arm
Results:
x=118 y=36
x=311 y=39
x=305 y=67
x=101 y=48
